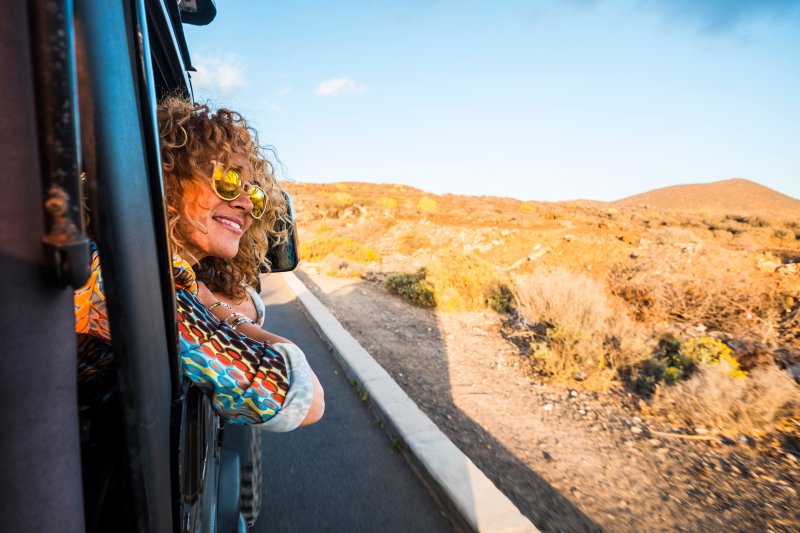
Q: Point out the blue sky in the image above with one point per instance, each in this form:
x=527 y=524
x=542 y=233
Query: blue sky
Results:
x=537 y=100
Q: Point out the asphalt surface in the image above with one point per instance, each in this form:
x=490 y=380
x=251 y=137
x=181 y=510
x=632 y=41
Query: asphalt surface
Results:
x=341 y=474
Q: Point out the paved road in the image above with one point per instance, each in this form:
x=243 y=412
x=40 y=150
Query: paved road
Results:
x=341 y=474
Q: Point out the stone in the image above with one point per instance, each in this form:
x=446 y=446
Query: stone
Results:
x=547 y=407
x=795 y=370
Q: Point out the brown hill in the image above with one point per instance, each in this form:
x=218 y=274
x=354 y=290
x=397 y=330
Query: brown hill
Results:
x=727 y=196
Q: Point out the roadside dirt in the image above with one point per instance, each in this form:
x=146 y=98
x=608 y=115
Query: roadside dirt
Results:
x=570 y=460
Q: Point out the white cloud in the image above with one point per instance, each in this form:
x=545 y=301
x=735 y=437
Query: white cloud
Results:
x=221 y=74
x=339 y=86
x=274 y=108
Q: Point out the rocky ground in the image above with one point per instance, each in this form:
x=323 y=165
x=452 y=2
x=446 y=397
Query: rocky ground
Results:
x=571 y=460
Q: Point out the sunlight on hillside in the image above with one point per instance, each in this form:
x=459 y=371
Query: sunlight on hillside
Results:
x=607 y=297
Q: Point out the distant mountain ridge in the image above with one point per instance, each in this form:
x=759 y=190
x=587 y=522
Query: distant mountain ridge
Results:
x=730 y=196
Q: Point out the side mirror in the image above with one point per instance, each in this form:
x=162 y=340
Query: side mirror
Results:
x=284 y=256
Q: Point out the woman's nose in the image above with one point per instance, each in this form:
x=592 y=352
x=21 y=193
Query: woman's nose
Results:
x=243 y=202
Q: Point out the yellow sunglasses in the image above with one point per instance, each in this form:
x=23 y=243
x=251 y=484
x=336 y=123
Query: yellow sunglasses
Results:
x=228 y=186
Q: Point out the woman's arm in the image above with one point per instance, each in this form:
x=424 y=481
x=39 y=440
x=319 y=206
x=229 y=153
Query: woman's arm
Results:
x=221 y=312
x=253 y=331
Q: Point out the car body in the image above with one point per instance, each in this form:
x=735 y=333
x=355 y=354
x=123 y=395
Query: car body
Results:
x=79 y=137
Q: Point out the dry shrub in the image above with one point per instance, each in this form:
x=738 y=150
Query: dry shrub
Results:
x=687 y=283
x=427 y=205
x=412 y=287
x=715 y=399
x=368 y=230
x=338 y=267
x=388 y=202
x=342 y=199
x=343 y=247
x=411 y=242
x=464 y=282
x=581 y=329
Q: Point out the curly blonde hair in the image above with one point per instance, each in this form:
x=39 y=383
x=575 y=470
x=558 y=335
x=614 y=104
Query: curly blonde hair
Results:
x=191 y=137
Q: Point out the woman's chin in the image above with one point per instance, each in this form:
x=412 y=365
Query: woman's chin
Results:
x=229 y=254
x=224 y=252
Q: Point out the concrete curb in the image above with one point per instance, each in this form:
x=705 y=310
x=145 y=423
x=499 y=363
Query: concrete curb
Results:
x=471 y=500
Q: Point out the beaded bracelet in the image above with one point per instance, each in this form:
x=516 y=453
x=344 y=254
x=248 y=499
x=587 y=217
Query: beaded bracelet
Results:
x=241 y=320
x=227 y=320
x=235 y=320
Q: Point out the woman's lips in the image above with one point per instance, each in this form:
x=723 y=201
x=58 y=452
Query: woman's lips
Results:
x=233 y=224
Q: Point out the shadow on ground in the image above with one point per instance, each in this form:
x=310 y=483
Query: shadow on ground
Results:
x=407 y=356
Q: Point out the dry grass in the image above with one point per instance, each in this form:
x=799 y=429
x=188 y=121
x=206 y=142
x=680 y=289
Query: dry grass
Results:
x=342 y=247
x=716 y=400
x=581 y=329
x=683 y=280
x=367 y=230
x=412 y=241
x=338 y=267
x=462 y=281
x=690 y=273
x=427 y=205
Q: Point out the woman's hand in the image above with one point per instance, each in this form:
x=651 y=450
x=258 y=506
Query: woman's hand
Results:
x=317 y=408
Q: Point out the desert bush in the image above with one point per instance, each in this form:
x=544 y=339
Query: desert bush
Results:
x=583 y=329
x=342 y=199
x=337 y=267
x=713 y=398
x=500 y=298
x=367 y=230
x=710 y=351
x=758 y=222
x=704 y=285
x=343 y=247
x=427 y=205
x=792 y=224
x=412 y=287
x=462 y=281
x=675 y=360
x=669 y=235
x=667 y=365
x=387 y=202
x=412 y=241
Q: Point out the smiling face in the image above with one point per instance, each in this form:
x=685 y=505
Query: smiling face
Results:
x=217 y=224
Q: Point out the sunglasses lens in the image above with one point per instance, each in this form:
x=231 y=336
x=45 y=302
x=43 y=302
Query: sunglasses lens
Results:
x=259 y=201
x=227 y=183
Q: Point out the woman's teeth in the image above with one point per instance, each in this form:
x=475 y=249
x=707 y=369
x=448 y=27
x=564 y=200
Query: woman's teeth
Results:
x=229 y=223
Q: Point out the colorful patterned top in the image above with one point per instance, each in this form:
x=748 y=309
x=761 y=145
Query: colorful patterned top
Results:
x=250 y=382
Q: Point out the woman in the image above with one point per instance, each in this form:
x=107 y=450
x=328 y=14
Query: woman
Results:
x=222 y=205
